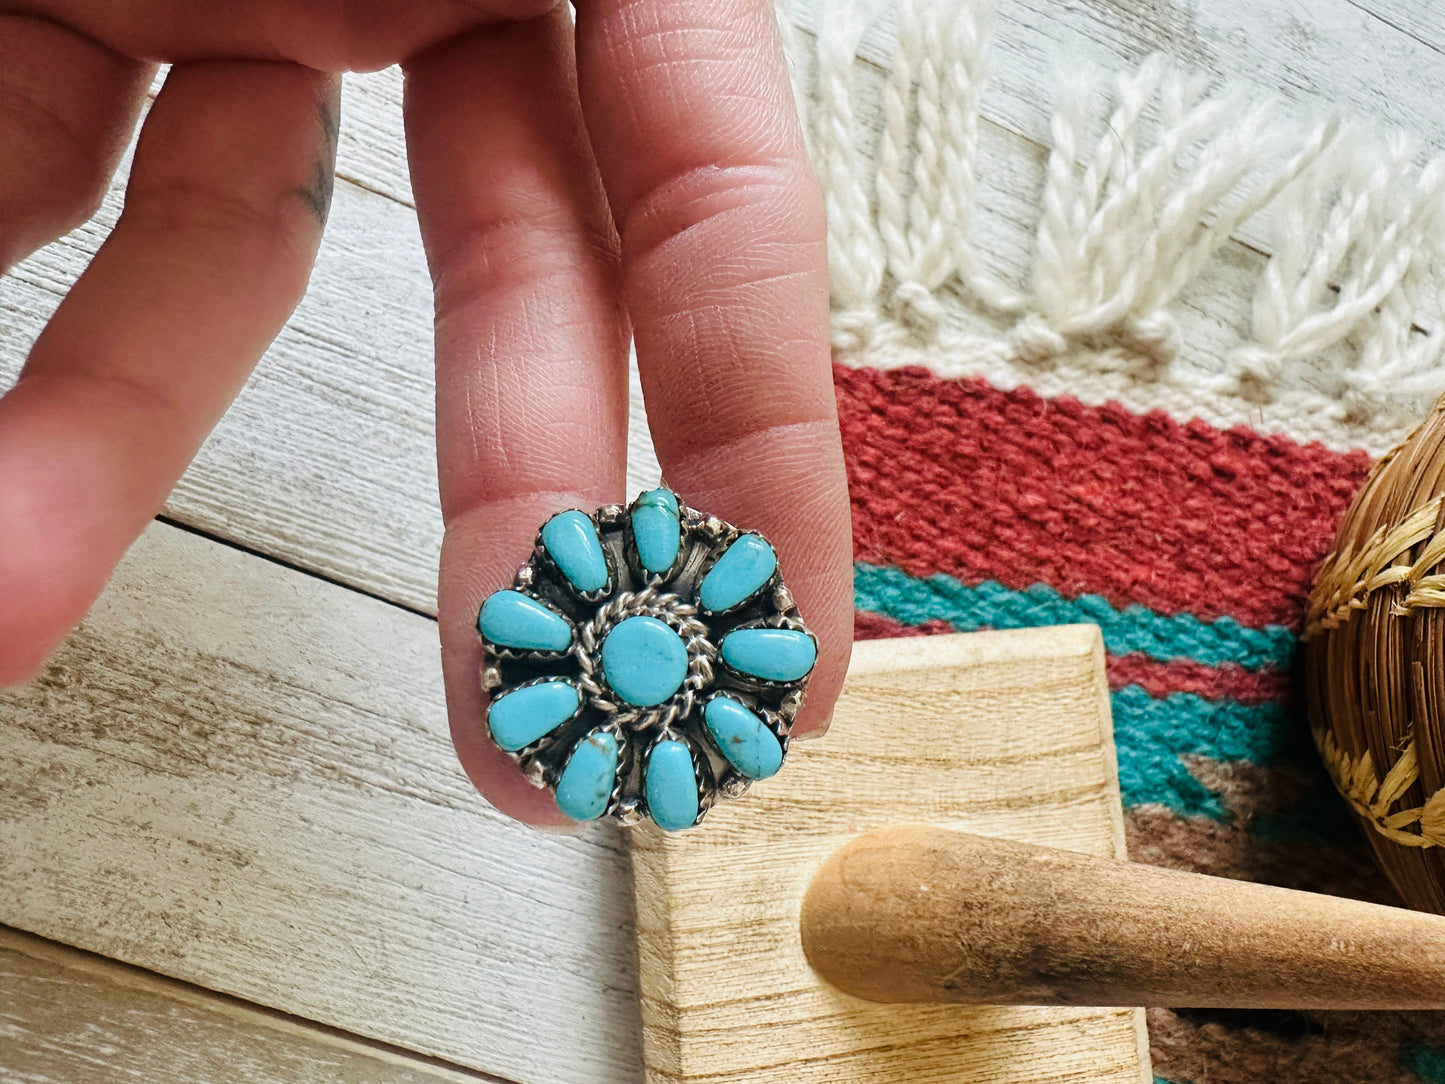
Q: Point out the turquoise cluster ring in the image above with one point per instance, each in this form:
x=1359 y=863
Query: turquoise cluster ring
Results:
x=647 y=661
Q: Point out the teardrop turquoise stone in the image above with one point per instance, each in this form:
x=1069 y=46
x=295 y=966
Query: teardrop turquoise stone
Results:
x=571 y=541
x=743 y=738
x=656 y=529
x=522 y=716
x=771 y=654
x=743 y=568
x=644 y=660
x=587 y=781
x=512 y=619
x=671 y=786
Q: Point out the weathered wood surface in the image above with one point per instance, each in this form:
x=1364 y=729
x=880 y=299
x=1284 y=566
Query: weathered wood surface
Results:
x=326 y=459
x=239 y=775
x=1004 y=733
x=68 y=1016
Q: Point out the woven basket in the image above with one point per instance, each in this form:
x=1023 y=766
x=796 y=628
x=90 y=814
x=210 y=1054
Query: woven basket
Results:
x=1375 y=662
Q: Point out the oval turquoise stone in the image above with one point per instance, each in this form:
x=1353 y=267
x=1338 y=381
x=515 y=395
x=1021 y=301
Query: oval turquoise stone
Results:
x=586 y=783
x=522 y=716
x=644 y=660
x=743 y=738
x=671 y=786
x=656 y=529
x=743 y=568
x=512 y=619
x=771 y=654
x=571 y=541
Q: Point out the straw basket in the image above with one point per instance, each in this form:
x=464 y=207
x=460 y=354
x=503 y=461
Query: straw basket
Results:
x=1375 y=662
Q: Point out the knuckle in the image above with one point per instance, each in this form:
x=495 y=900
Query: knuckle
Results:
x=488 y=256
x=715 y=205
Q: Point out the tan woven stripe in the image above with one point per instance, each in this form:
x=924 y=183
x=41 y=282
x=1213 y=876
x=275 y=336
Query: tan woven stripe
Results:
x=1371 y=798
x=1347 y=578
x=1426 y=590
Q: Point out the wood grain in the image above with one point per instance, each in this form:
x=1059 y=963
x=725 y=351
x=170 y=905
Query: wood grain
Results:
x=240 y=776
x=70 y=1016
x=326 y=460
x=925 y=914
x=1006 y=733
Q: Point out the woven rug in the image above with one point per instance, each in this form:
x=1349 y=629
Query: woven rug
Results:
x=1119 y=413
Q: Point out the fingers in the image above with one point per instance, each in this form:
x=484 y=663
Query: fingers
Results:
x=723 y=241
x=531 y=342
x=222 y=218
x=67 y=108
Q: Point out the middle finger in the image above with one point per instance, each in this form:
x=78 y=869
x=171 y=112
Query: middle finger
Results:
x=531 y=341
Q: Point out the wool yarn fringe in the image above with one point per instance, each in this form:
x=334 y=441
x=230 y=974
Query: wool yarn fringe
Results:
x=1149 y=174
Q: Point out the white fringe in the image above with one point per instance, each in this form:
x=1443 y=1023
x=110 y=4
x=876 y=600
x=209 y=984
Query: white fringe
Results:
x=1362 y=238
x=1148 y=176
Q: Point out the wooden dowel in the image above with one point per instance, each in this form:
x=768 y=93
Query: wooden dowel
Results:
x=917 y=914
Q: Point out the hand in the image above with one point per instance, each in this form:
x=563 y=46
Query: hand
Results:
x=642 y=177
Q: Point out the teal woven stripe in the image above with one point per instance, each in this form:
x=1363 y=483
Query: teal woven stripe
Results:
x=966 y=607
x=1153 y=735
x=1426 y=1062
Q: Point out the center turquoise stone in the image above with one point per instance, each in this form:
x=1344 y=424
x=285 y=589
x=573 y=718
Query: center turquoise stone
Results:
x=644 y=660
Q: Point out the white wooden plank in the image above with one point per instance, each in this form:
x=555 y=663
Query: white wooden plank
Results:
x=371 y=150
x=1423 y=20
x=70 y=1016
x=239 y=775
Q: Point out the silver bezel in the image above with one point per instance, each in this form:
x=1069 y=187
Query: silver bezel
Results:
x=671 y=598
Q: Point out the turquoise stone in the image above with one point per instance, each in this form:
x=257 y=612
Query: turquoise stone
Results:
x=656 y=529
x=771 y=654
x=587 y=781
x=747 y=742
x=644 y=660
x=512 y=619
x=671 y=786
x=571 y=541
x=743 y=568
x=522 y=716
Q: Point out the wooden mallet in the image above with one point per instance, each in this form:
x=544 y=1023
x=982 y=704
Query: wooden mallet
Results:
x=931 y=914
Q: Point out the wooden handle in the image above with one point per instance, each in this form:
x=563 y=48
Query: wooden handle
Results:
x=933 y=915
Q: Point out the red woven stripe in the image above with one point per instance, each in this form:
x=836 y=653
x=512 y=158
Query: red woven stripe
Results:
x=1179 y=676
x=868 y=626
x=1158 y=679
x=956 y=476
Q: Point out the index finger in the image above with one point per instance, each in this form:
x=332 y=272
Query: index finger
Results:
x=691 y=119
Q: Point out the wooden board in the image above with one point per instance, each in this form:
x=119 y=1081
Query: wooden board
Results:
x=326 y=460
x=240 y=776
x=1002 y=733
x=69 y=1016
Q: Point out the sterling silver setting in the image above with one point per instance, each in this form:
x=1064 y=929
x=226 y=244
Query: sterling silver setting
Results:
x=570 y=758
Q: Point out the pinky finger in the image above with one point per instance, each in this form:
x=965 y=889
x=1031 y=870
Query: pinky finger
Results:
x=212 y=252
